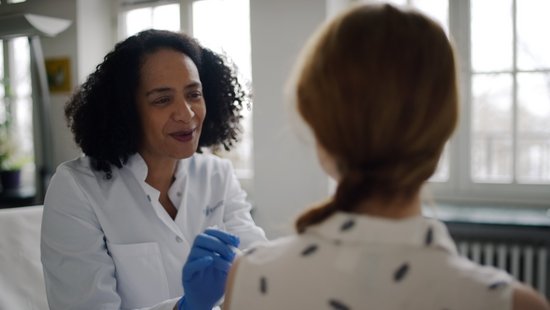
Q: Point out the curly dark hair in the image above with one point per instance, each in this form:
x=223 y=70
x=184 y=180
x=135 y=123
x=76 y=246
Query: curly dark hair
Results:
x=103 y=114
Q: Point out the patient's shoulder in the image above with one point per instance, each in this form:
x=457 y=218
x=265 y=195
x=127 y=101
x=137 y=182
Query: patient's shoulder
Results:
x=525 y=298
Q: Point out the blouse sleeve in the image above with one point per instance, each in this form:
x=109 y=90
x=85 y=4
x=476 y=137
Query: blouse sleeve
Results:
x=79 y=273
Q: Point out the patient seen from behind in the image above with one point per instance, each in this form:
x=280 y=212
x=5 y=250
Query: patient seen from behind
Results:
x=377 y=86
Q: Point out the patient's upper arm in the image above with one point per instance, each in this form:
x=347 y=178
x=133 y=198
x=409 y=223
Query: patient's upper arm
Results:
x=229 y=285
x=525 y=298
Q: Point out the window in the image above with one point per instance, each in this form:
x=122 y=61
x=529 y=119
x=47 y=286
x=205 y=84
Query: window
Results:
x=136 y=16
x=501 y=150
x=229 y=35
x=436 y=9
x=2 y=89
x=6 y=2
x=510 y=92
x=16 y=127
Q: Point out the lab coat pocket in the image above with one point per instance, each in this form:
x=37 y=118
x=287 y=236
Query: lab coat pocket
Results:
x=140 y=274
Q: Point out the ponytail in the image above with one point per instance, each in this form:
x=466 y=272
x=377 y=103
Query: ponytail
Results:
x=353 y=188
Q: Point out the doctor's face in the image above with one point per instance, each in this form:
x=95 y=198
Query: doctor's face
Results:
x=171 y=105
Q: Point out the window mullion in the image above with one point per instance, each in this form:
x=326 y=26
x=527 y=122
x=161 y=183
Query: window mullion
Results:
x=459 y=27
x=6 y=67
x=515 y=108
x=186 y=16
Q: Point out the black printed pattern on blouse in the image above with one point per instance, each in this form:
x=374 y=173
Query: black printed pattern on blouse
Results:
x=401 y=272
x=337 y=305
x=249 y=251
x=429 y=237
x=263 y=285
x=399 y=275
x=347 y=225
x=497 y=285
x=309 y=250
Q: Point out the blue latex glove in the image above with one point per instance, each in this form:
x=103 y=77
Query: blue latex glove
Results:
x=205 y=272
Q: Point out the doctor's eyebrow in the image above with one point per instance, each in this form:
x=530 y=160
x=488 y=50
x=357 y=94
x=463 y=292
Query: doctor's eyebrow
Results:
x=158 y=90
x=192 y=85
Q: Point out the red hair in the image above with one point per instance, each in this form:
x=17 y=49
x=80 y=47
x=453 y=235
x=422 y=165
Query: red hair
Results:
x=377 y=85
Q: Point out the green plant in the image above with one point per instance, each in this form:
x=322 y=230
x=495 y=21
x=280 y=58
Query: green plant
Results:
x=9 y=159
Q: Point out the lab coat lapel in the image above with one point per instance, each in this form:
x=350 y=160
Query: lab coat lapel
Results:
x=161 y=213
x=180 y=189
x=137 y=168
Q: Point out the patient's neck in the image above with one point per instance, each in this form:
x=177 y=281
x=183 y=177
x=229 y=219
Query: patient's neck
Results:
x=397 y=208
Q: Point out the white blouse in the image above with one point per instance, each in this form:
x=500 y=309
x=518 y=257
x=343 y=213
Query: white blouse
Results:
x=109 y=244
x=362 y=262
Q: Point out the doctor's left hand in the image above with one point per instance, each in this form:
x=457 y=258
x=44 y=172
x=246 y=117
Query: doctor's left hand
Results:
x=205 y=272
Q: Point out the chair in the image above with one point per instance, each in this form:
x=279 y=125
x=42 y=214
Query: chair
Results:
x=21 y=278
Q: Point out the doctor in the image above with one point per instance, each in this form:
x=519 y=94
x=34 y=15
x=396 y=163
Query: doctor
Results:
x=120 y=222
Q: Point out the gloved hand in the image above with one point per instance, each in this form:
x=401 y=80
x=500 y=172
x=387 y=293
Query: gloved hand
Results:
x=205 y=272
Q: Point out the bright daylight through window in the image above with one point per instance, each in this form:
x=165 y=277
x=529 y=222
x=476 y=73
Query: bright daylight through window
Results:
x=511 y=92
x=502 y=148
x=230 y=35
x=16 y=128
x=165 y=16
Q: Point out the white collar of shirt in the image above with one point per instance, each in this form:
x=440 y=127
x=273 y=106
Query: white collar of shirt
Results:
x=177 y=191
x=416 y=231
x=139 y=168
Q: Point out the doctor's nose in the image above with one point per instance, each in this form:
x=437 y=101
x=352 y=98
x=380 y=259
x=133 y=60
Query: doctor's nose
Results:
x=183 y=112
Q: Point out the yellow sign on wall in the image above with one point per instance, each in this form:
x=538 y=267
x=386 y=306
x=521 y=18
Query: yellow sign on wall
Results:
x=58 y=71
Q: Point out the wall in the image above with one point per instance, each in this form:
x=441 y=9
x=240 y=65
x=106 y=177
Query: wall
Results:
x=95 y=36
x=96 y=33
x=287 y=177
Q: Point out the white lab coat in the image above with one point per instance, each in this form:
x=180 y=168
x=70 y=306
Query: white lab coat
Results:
x=109 y=244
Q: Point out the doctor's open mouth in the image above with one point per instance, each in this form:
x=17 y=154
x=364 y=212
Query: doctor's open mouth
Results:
x=184 y=135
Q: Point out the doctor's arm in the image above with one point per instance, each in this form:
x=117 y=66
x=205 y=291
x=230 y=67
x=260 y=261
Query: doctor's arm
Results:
x=237 y=217
x=79 y=273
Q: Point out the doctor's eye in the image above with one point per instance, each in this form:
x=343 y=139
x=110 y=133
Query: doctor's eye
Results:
x=195 y=96
x=162 y=100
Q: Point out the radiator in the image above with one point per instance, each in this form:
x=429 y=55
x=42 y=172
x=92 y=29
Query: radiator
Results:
x=527 y=263
x=521 y=251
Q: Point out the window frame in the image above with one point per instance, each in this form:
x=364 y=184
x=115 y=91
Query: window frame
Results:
x=460 y=188
x=127 y=5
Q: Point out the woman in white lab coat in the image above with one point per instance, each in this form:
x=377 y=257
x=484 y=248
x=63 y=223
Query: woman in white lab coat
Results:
x=120 y=221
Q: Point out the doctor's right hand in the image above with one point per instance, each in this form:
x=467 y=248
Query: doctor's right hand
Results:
x=205 y=272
